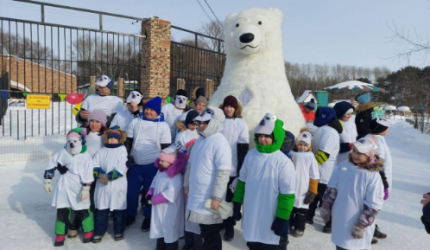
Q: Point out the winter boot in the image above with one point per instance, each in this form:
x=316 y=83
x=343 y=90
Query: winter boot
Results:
x=374 y=242
x=59 y=240
x=309 y=220
x=119 y=237
x=146 y=224
x=283 y=242
x=298 y=233
x=72 y=233
x=378 y=234
x=229 y=233
x=97 y=239
x=88 y=237
x=130 y=220
x=327 y=229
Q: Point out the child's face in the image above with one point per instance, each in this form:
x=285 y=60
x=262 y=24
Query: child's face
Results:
x=265 y=140
x=192 y=126
x=113 y=141
x=202 y=126
x=384 y=133
x=229 y=111
x=302 y=147
x=358 y=158
x=164 y=164
x=95 y=126
x=346 y=117
x=150 y=114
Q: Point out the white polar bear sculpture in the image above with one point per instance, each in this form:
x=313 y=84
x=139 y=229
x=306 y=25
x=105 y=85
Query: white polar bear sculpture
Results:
x=254 y=70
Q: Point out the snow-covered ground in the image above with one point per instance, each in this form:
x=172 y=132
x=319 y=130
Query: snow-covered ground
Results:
x=27 y=219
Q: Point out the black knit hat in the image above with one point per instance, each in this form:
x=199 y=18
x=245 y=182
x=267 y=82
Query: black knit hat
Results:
x=182 y=92
x=310 y=105
x=192 y=114
x=378 y=125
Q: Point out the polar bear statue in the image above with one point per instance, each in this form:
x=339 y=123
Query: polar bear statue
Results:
x=254 y=70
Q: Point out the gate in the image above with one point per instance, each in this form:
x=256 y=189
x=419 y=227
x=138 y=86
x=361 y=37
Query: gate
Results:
x=54 y=60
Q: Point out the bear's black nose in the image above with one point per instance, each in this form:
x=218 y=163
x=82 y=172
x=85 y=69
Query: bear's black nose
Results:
x=246 y=38
x=72 y=145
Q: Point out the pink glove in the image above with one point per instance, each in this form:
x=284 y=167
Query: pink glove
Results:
x=386 y=194
x=150 y=192
x=158 y=199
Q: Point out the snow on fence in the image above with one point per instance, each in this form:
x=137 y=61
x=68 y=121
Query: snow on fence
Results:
x=33 y=134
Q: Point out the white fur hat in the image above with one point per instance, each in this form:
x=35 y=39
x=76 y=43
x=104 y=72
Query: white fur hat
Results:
x=266 y=125
x=305 y=136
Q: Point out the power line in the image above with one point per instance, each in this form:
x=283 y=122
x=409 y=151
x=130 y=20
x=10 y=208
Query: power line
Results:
x=214 y=13
x=204 y=10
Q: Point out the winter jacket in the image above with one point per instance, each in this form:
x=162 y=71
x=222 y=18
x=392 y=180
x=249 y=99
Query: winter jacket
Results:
x=425 y=219
x=363 y=118
x=309 y=117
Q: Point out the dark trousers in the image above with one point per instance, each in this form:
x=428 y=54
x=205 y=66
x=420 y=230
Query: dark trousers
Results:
x=298 y=218
x=161 y=245
x=317 y=201
x=211 y=237
x=62 y=223
x=137 y=175
x=82 y=218
x=92 y=191
x=102 y=219
x=261 y=246
x=194 y=240
x=230 y=222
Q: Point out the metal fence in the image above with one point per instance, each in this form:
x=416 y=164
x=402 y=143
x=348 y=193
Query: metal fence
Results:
x=195 y=61
x=53 y=59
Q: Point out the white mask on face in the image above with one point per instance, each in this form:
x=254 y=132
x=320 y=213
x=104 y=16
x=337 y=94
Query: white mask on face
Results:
x=74 y=145
x=181 y=101
x=134 y=96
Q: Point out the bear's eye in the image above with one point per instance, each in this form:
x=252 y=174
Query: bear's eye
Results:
x=237 y=25
x=260 y=22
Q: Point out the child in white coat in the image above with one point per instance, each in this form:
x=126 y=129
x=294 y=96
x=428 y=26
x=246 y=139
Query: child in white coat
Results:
x=354 y=197
x=167 y=198
x=111 y=189
x=307 y=173
x=73 y=187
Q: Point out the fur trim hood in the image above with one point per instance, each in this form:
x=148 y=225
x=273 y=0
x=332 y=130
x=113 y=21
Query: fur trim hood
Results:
x=373 y=167
x=237 y=112
x=178 y=167
x=180 y=125
x=362 y=107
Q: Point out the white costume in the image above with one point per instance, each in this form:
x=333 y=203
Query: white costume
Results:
x=349 y=135
x=326 y=139
x=170 y=114
x=108 y=104
x=265 y=176
x=69 y=185
x=236 y=132
x=167 y=220
x=355 y=188
x=306 y=167
x=123 y=119
x=112 y=196
x=185 y=136
x=147 y=138
x=94 y=142
x=384 y=152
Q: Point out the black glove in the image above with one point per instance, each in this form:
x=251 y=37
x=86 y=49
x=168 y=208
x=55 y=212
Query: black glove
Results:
x=148 y=200
x=62 y=169
x=309 y=197
x=236 y=211
x=278 y=226
x=129 y=162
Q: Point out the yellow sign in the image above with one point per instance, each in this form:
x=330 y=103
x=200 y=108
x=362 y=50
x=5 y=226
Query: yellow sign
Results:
x=38 y=101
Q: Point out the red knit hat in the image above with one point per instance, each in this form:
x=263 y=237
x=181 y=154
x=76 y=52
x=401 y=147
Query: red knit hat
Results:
x=230 y=101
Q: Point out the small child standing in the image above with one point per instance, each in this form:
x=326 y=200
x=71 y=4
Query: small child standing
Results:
x=167 y=197
x=73 y=187
x=111 y=190
x=307 y=173
x=355 y=194
x=266 y=186
x=188 y=129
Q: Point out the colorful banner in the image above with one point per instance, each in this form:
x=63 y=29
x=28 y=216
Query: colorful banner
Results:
x=38 y=101
x=4 y=93
x=62 y=96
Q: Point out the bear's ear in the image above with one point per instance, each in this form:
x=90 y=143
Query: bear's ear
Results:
x=230 y=18
x=277 y=14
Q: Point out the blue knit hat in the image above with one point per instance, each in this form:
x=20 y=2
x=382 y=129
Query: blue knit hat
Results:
x=364 y=98
x=310 y=105
x=341 y=108
x=155 y=104
x=324 y=116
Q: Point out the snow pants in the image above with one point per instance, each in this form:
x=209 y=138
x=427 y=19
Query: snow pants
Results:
x=73 y=220
x=230 y=222
x=194 y=240
x=261 y=246
x=137 y=175
x=211 y=237
x=161 y=245
x=298 y=218
x=101 y=221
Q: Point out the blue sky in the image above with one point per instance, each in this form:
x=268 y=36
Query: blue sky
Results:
x=349 y=32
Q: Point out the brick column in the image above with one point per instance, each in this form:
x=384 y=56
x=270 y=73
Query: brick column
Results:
x=121 y=88
x=155 y=58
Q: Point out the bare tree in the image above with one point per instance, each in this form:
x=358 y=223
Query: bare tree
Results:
x=411 y=42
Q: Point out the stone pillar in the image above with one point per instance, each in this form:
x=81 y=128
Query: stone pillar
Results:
x=92 y=87
x=155 y=70
x=180 y=83
x=210 y=88
x=121 y=88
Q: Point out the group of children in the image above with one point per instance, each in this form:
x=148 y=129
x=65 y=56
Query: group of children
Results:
x=207 y=179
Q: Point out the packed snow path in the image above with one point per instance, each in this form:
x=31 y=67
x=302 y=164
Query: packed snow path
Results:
x=27 y=219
